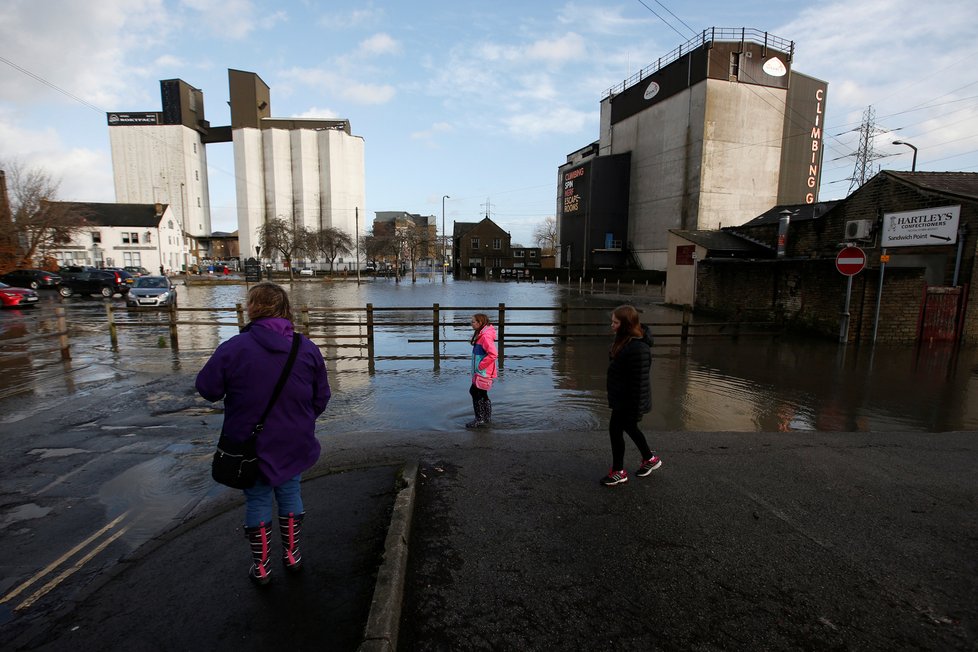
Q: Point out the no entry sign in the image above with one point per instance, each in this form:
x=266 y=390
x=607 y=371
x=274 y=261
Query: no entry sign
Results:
x=850 y=261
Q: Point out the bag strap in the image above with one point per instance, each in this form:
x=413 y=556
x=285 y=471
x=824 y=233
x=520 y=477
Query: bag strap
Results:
x=280 y=385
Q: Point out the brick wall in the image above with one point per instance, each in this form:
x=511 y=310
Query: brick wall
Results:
x=808 y=292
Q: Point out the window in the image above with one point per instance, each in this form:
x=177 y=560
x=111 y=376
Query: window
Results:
x=134 y=237
x=198 y=202
x=125 y=238
x=533 y=254
x=148 y=234
x=195 y=148
x=475 y=243
x=518 y=253
x=96 y=237
x=735 y=65
x=475 y=261
x=196 y=175
x=497 y=244
x=169 y=224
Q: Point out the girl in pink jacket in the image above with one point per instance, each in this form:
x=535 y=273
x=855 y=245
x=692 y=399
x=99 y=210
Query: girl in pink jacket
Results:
x=483 y=369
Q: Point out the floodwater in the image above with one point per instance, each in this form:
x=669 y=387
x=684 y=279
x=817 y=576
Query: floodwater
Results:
x=752 y=383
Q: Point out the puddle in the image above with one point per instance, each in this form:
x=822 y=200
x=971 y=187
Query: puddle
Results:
x=24 y=513
x=48 y=453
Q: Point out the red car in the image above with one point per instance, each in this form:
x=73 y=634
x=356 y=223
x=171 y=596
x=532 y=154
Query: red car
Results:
x=11 y=297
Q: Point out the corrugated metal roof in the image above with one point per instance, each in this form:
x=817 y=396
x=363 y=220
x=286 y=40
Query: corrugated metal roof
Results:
x=722 y=242
x=962 y=184
x=799 y=212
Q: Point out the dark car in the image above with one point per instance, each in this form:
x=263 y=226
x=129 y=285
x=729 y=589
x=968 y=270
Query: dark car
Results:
x=152 y=291
x=98 y=281
x=69 y=271
x=136 y=270
x=126 y=276
x=31 y=278
x=11 y=297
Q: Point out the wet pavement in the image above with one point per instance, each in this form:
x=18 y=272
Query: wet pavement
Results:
x=188 y=589
x=786 y=541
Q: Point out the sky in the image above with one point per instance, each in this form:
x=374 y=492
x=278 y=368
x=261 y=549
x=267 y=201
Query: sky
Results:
x=478 y=101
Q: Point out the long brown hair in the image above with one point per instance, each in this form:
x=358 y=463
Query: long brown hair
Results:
x=629 y=327
x=268 y=300
x=483 y=320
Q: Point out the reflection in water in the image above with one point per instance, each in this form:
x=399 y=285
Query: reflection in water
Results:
x=747 y=384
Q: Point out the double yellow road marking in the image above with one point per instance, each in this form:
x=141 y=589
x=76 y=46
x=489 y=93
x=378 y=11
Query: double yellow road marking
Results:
x=70 y=570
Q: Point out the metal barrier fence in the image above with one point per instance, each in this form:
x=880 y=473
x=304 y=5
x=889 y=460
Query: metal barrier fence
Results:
x=357 y=327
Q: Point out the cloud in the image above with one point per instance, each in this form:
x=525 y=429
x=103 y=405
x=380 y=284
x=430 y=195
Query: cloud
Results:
x=432 y=131
x=230 y=19
x=555 y=120
x=98 y=37
x=355 y=18
x=601 y=20
x=378 y=44
x=341 y=85
x=316 y=112
x=82 y=174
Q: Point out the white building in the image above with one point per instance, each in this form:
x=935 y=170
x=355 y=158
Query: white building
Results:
x=309 y=172
x=160 y=158
x=125 y=235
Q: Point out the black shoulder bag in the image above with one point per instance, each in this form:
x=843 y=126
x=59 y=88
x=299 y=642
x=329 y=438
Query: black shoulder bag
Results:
x=235 y=463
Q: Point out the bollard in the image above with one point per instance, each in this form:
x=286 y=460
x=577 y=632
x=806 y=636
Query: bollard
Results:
x=304 y=320
x=240 y=311
x=113 y=333
x=172 y=315
x=370 y=338
x=59 y=312
x=501 y=333
x=435 y=332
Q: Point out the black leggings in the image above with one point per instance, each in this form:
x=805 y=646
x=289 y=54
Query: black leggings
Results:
x=621 y=423
x=477 y=395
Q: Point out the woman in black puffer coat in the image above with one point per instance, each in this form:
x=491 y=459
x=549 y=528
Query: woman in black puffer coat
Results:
x=629 y=393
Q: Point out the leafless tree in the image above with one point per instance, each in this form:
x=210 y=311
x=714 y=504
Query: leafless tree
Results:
x=281 y=235
x=417 y=245
x=330 y=242
x=39 y=224
x=388 y=246
x=545 y=236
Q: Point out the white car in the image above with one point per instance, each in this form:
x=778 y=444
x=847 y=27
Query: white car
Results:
x=306 y=272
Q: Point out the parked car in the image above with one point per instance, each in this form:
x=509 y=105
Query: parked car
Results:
x=31 y=278
x=126 y=276
x=306 y=271
x=136 y=270
x=70 y=271
x=152 y=291
x=99 y=281
x=11 y=297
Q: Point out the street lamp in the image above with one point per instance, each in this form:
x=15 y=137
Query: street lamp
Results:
x=913 y=166
x=444 y=240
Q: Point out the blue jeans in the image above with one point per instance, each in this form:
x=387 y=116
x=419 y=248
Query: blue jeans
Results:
x=258 y=501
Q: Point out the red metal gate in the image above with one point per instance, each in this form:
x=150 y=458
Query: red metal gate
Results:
x=940 y=319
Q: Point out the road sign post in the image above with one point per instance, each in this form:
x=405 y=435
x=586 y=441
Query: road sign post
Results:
x=850 y=261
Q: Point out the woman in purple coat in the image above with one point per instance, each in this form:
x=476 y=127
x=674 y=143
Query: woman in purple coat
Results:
x=243 y=371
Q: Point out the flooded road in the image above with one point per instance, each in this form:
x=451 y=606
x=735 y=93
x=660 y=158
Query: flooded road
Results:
x=747 y=384
x=107 y=451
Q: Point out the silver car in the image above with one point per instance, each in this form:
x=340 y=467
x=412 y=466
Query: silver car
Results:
x=151 y=291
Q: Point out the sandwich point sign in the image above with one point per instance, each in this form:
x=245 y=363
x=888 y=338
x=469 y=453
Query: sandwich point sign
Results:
x=920 y=228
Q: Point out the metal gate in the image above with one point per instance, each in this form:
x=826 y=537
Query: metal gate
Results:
x=942 y=310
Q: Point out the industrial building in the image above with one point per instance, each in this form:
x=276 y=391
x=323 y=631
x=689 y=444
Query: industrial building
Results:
x=710 y=135
x=309 y=172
